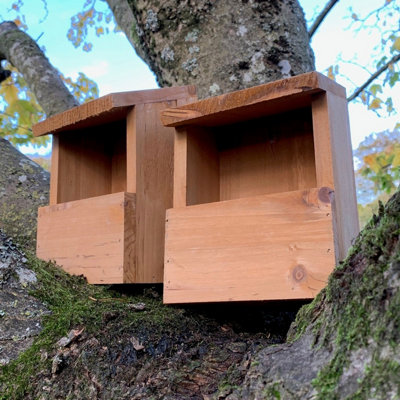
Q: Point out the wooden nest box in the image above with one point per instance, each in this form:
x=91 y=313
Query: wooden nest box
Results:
x=111 y=182
x=264 y=198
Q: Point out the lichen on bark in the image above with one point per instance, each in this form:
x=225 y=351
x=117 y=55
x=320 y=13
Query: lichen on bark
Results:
x=24 y=186
x=218 y=46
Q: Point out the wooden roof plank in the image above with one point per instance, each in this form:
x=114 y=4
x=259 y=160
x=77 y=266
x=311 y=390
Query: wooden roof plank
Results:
x=108 y=108
x=215 y=110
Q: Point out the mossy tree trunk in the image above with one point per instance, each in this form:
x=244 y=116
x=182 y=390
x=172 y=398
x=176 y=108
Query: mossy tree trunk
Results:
x=219 y=46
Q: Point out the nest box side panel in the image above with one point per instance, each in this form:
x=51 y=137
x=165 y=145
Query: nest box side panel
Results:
x=93 y=237
x=269 y=247
x=334 y=165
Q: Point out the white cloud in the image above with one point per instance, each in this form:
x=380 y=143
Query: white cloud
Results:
x=96 y=70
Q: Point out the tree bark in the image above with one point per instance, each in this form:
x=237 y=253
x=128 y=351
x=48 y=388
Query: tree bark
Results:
x=42 y=78
x=219 y=46
x=24 y=185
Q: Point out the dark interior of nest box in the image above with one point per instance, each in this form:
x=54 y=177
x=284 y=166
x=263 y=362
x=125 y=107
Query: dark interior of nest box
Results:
x=266 y=155
x=92 y=162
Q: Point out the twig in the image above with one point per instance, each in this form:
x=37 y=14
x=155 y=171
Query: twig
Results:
x=317 y=22
x=375 y=75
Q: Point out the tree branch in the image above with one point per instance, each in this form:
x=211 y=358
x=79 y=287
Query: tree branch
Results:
x=317 y=22
x=42 y=78
x=375 y=75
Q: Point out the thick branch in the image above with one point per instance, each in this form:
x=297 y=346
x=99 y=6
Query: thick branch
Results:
x=321 y=17
x=42 y=78
x=374 y=76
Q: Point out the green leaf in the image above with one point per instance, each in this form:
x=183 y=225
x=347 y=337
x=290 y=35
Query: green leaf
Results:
x=375 y=89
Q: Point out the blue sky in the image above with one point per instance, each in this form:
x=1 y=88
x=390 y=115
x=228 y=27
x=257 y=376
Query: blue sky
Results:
x=113 y=64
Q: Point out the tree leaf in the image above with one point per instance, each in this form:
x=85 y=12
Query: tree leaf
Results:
x=375 y=104
x=396 y=44
x=375 y=89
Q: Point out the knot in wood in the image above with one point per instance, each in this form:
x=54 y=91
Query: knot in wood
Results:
x=324 y=194
x=299 y=273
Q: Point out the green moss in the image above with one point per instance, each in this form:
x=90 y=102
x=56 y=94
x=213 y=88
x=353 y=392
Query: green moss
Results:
x=358 y=306
x=74 y=303
x=272 y=392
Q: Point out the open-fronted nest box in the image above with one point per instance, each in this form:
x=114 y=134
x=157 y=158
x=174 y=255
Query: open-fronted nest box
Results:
x=111 y=182
x=264 y=194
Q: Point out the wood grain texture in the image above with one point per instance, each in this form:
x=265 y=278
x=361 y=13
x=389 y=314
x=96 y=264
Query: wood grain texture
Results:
x=54 y=171
x=266 y=155
x=271 y=98
x=335 y=165
x=93 y=237
x=154 y=193
x=131 y=150
x=180 y=168
x=110 y=108
x=91 y=162
x=269 y=247
x=203 y=174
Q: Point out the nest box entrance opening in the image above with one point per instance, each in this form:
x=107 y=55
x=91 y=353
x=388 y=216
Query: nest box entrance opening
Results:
x=271 y=154
x=91 y=162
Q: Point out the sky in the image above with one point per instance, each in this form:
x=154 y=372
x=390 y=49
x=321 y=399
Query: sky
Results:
x=115 y=67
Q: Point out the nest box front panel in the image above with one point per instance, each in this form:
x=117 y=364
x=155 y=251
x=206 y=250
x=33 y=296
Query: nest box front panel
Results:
x=269 y=247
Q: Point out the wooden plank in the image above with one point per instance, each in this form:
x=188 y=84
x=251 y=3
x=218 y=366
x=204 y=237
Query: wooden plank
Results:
x=54 y=171
x=154 y=178
x=269 y=247
x=322 y=141
x=117 y=144
x=129 y=255
x=180 y=168
x=268 y=155
x=108 y=108
x=131 y=151
x=334 y=162
x=294 y=92
x=203 y=183
x=89 y=236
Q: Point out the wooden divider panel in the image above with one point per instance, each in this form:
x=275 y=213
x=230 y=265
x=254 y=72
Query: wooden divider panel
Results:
x=154 y=183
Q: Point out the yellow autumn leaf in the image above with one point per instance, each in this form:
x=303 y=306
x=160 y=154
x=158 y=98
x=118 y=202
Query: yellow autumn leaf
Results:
x=364 y=97
x=370 y=160
x=18 y=22
x=99 y=31
x=330 y=73
x=375 y=104
x=396 y=44
x=10 y=94
x=396 y=160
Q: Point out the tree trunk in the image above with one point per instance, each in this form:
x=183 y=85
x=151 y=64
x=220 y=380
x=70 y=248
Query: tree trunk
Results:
x=219 y=46
x=24 y=185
